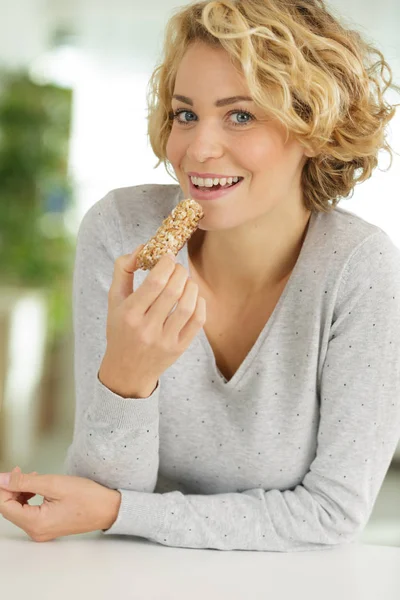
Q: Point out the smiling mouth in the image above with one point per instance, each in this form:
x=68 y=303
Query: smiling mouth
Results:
x=216 y=187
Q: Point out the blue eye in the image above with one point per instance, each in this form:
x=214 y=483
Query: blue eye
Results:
x=175 y=116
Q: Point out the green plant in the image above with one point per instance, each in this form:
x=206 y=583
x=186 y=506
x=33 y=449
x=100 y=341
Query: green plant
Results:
x=36 y=192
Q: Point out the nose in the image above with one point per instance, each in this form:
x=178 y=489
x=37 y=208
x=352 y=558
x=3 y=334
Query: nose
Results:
x=204 y=143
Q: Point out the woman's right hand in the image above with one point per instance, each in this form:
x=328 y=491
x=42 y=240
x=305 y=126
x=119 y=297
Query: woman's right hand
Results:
x=143 y=338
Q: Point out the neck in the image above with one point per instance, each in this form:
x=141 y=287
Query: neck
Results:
x=251 y=259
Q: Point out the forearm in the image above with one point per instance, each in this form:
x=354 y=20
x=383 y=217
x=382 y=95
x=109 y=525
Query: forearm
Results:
x=117 y=443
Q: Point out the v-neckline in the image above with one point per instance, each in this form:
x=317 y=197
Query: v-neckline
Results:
x=248 y=360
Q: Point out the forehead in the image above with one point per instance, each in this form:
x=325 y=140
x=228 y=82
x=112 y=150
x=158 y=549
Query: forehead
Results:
x=204 y=68
x=205 y=58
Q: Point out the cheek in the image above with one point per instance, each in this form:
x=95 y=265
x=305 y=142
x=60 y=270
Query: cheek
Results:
x=169 y=149
x=260 y=153
x=173 y=149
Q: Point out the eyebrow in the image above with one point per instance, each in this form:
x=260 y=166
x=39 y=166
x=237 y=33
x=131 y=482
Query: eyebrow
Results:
x=218 y=103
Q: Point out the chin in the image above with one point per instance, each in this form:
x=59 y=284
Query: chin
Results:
x=215 y=223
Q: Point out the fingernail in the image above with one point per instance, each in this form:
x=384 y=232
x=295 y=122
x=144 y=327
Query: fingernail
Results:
x=171 y=254
x=5 y=478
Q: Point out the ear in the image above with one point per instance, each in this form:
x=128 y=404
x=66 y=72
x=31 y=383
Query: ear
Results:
x=309 y=153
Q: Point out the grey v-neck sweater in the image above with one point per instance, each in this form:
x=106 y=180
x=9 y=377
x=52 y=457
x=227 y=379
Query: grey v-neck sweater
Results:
x=288 y=455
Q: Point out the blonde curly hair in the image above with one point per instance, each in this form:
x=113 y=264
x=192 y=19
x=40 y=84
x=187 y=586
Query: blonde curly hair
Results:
x=302 y=67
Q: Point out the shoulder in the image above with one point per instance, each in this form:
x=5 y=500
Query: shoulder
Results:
x=369 y=257
x=148 y=201
x=370 y=246
x=346 y=229
x=352 y=241
x=126 y=217
x=346 y=258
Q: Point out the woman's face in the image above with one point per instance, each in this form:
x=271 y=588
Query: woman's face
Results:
x=224 y=140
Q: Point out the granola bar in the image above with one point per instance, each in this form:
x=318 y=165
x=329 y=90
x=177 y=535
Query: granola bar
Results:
x=173 y=234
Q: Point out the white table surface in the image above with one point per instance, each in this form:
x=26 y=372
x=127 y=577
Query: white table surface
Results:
x=99 y=567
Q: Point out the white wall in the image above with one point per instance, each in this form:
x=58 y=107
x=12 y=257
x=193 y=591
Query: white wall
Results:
x=23 y=31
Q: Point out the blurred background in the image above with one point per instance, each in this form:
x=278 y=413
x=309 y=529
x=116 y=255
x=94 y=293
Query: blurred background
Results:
x=73 y=82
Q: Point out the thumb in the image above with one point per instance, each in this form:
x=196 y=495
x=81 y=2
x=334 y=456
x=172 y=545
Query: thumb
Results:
x=22 y=497
x=123 y=278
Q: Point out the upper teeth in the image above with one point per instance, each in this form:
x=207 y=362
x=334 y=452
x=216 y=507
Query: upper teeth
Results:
x=208 y=182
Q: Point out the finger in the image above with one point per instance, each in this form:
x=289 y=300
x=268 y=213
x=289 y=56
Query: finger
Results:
x=45 y=485
x=22 y=497
x=4 y=478
x=7 y=495
x=157 y=314
x=195 y=323
x=17 y=469
x=25 y=496
x=154 y=284
x=123 y=278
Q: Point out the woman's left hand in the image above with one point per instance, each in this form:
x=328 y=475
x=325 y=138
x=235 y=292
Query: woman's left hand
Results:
x=71 y=505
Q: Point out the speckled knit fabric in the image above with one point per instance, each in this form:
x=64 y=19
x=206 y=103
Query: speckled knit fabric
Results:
x=289 y=454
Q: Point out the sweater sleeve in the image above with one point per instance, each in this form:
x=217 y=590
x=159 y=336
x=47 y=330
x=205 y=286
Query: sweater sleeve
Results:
x=110 y=432
x=359 y=429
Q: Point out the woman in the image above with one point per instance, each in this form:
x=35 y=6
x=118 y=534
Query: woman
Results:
x=270 y=421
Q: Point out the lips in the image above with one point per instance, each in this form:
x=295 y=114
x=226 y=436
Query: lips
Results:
x=216 y=187
x=210 y=175
x=212 y=193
